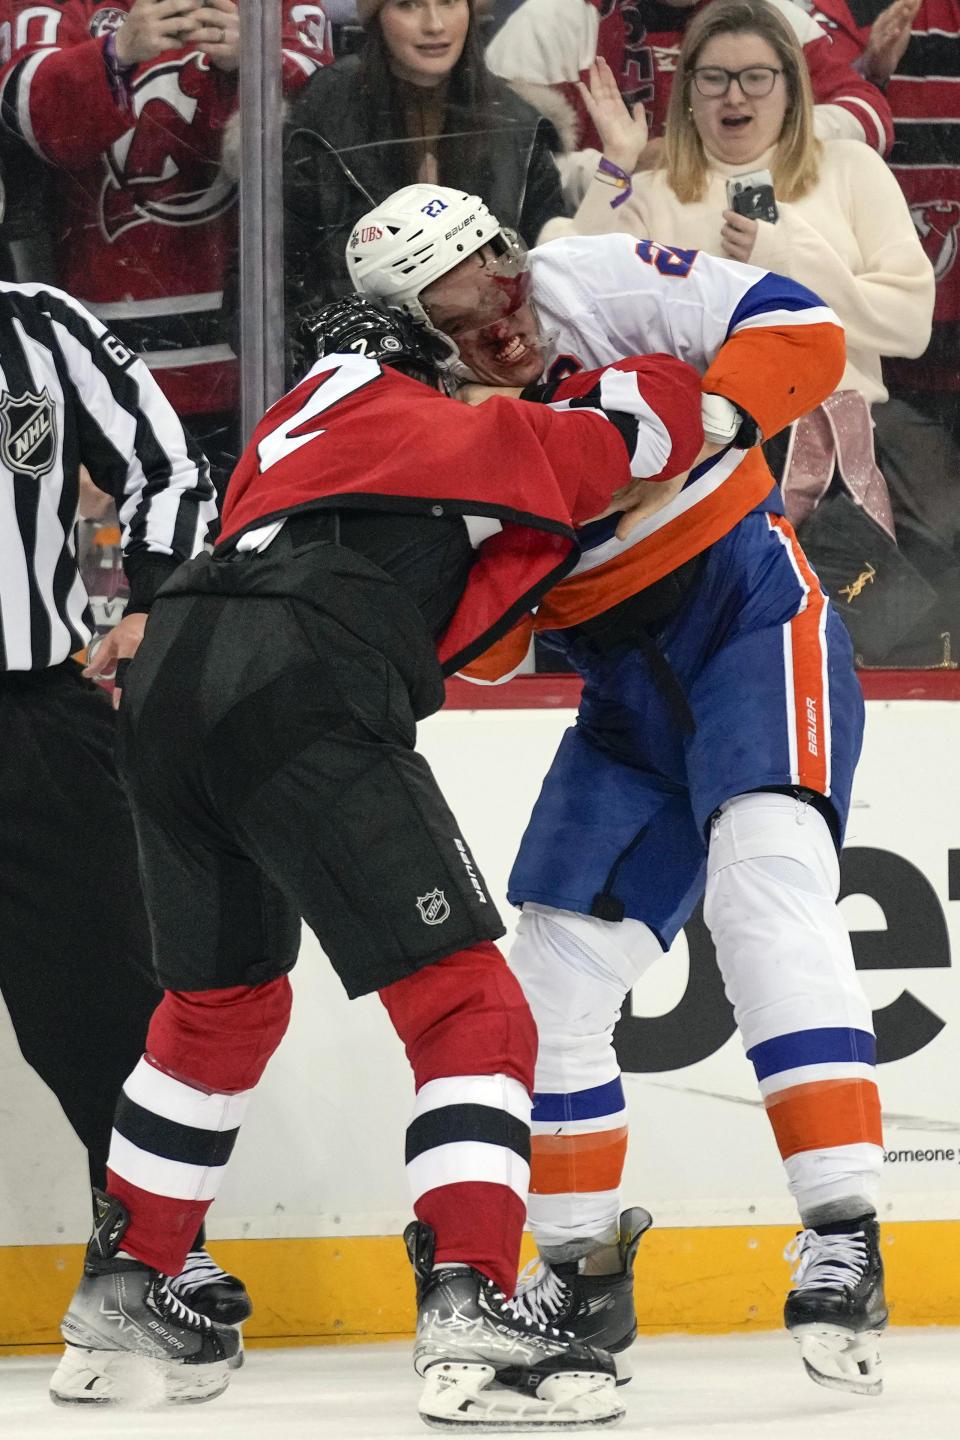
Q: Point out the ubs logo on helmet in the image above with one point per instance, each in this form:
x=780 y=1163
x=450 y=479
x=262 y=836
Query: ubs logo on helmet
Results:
x=937 y=225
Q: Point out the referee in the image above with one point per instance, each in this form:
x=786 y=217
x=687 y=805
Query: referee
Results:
x=75 y=967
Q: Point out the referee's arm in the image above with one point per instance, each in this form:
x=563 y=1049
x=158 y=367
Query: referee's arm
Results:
x=136 y=450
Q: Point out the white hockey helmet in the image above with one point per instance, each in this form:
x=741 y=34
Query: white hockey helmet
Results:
x=418 y=234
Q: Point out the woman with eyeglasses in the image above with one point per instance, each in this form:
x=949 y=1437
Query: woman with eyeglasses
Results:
x=741 y=104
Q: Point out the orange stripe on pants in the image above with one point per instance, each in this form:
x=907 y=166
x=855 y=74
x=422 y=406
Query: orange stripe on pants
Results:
x=809 y=657
x=824 y=1114
x=577 y=1164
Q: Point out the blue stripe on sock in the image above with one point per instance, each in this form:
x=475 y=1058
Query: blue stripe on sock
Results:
x=580 y=1104
x=812 y=1047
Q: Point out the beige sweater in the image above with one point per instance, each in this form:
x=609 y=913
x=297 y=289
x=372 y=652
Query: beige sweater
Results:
x=851 y=240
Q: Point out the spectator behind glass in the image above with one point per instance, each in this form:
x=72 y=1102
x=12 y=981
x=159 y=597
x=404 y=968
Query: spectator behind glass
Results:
x=842 y=228
x=912 y=48
x=547 y=45
x=128 y=100
x=417 y=104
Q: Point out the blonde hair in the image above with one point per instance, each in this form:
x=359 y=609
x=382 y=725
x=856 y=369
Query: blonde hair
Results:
x=795 y=165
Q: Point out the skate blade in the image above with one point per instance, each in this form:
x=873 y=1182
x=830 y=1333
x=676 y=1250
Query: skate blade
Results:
x=466 y=1396
x=841 y=1359
x=624 y=1365
x=236 y=1361
x=119 y=1378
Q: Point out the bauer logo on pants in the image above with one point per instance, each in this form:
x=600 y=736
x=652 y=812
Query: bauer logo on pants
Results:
x=433 y=907
x=28 y=433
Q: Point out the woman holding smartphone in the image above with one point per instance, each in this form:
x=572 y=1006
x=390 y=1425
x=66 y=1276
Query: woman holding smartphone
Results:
x=739 y=137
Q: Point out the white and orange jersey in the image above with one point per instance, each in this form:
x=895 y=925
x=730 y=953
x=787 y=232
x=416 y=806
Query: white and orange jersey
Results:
x=764 y=342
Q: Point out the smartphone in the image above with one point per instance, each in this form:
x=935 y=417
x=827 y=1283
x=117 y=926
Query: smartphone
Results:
x=753 y=195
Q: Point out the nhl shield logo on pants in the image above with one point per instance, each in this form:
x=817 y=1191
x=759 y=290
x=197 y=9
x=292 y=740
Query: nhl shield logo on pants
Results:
x=433 y=907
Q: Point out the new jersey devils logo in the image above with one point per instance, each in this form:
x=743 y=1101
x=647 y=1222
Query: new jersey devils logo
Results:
x=314 y=30
x=107 y=21
x=167 y=168
x=937 y=225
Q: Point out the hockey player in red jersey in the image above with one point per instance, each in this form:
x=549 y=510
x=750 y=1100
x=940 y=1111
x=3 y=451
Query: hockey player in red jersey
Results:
x=128 y=99
x=373 y=541
x=548 y=45
x=713 y=754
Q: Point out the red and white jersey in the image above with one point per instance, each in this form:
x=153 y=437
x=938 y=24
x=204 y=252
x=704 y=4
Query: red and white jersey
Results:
x=146 y=222
x=764 y=342
x=924 y=95
x=522 y=477
x=553 y=43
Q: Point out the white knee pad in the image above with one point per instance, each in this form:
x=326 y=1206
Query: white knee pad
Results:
x=782 y=947
x=575 y=971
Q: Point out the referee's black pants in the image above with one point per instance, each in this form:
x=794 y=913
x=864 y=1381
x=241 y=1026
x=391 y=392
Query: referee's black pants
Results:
x=75 y=952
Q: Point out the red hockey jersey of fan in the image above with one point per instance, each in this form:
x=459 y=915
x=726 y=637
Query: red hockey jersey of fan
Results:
x=924 y=96
x=146 y=213
x=553 y=42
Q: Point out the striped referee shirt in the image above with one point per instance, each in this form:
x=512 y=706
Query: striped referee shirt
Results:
x=72 y=395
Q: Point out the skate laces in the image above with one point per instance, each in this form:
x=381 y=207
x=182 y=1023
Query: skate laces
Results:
x=199 y=1269
x=827 y=1260
x=541 y=1295
x=174 y=1308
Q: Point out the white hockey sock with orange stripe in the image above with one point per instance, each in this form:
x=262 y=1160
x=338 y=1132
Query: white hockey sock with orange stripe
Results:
x=575 y=971
x=787 y=965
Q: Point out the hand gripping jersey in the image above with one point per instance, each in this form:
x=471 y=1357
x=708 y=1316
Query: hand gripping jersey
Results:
x=554 y=42
x=146 y=221
x=763 y=341
x=353 y=435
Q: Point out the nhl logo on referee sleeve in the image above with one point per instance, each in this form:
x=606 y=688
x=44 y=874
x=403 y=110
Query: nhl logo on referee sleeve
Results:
x=433 y=907
x=28 y=433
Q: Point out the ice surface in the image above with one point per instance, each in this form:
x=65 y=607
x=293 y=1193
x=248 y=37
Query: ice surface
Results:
x=684 y=1388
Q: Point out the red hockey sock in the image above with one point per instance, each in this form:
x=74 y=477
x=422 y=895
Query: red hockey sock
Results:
x=472 y=1043
x=181 y=1109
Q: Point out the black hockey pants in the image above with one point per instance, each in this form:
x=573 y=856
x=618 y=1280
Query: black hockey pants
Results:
x=75 y=968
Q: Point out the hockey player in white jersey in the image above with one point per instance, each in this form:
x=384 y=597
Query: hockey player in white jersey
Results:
x=714 y=751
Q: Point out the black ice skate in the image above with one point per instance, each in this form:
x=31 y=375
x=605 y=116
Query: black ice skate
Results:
x=837 y=1309
x=129 y=1338
x=213 y=1292
x=598 y=1309
x=487 y=1368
